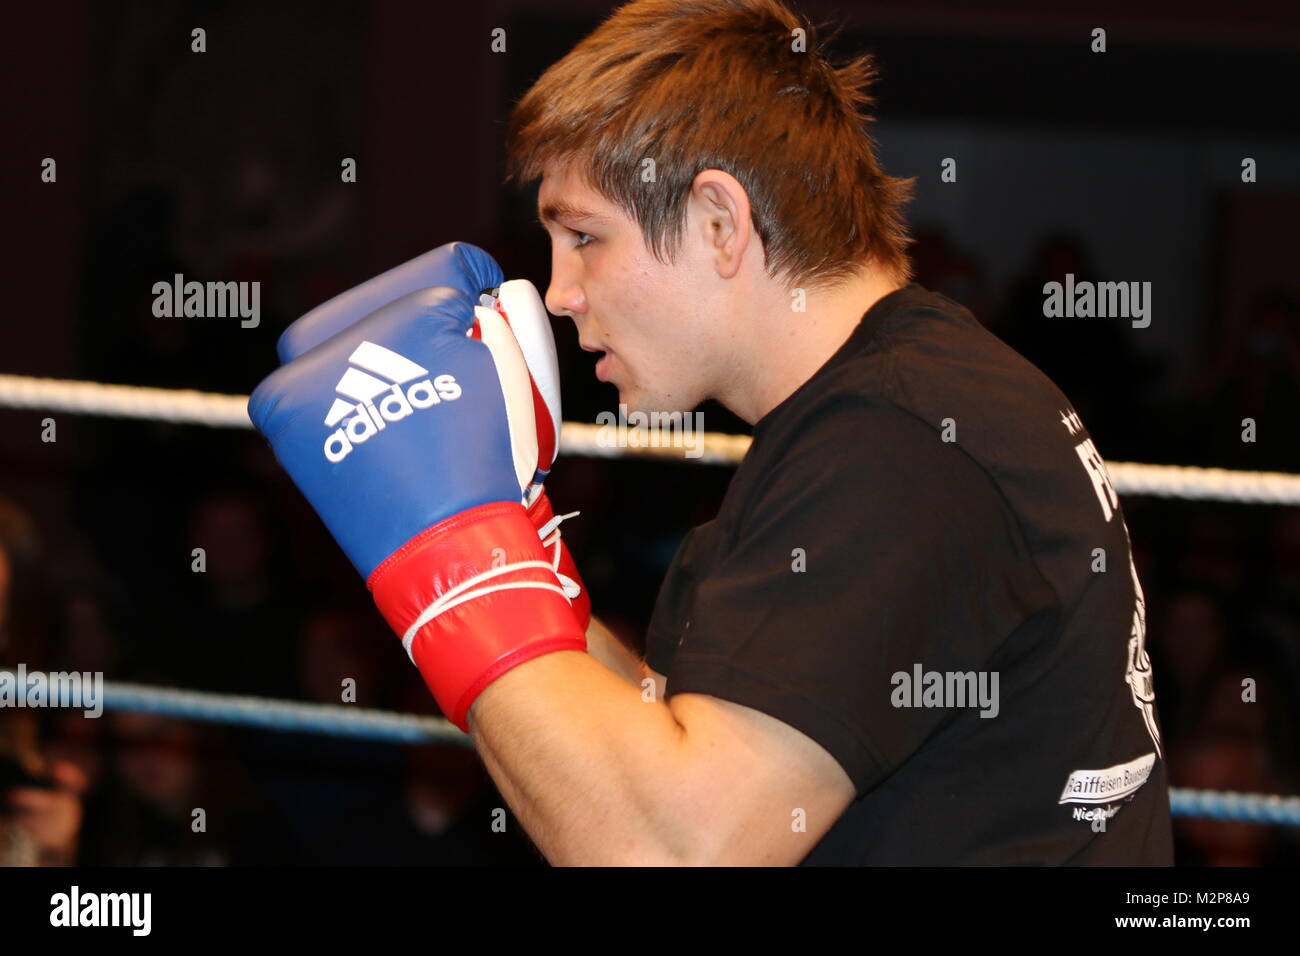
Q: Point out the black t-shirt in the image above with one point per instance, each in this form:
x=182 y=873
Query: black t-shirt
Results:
x=921 y=565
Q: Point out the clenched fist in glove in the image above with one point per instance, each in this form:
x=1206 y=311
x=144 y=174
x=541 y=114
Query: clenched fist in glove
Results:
x=414 y=433
x=470 y=269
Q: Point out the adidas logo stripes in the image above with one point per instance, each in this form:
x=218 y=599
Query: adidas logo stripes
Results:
x=375 y=371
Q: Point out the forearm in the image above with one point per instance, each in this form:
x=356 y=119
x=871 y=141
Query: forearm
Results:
x=596 y=774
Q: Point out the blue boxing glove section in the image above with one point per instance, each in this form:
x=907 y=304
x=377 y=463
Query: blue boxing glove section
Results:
x=458 y=265
x=362 y=420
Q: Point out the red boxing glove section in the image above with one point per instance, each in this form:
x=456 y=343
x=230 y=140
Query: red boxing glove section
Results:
x=542 y=514
x=463 y=591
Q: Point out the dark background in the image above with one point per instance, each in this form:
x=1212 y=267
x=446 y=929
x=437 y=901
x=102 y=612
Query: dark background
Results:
x=225 y=165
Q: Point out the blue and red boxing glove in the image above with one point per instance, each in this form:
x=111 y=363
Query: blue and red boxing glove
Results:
x=468 y=268
x=417 y=446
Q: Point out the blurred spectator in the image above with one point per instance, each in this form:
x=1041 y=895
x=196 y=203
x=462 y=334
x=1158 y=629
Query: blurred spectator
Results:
x=1254 y=373
x=941 y=267
x=40 y=805
x=345 y=656
x=1238 y=702
x=1225 y=762
x=1187 y=640
x=240 y=611
x=1091 y=360
x=24 y=591
x=88 y=628
x=164 y=773
x=345 y=643
x=40 y=800
x=446 y=813
x=86 y=744
x=1282 y=558
x=1211 y=550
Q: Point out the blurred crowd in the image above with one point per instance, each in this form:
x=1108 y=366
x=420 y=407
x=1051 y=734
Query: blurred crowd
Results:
x=268 y=606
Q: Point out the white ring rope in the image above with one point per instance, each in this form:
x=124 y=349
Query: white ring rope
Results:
x=215 y=410
x=125 y=401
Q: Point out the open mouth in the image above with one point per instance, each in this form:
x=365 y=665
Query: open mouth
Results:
x=602 y=361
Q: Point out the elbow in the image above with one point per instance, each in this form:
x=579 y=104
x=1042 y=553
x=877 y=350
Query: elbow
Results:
x=642 y=850
x=677 y=850
x=643 y=853
x=658 y=856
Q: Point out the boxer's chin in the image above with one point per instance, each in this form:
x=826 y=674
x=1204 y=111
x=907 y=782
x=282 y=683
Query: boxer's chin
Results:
x=631 y=399
x=648 y=401
x=650 y=405
x=635 y=400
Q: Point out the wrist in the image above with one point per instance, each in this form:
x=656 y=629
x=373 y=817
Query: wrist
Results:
x=543 y=517
x=473 y=597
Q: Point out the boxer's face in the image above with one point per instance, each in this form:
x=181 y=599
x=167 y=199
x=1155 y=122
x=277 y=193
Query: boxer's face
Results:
x=626 y=303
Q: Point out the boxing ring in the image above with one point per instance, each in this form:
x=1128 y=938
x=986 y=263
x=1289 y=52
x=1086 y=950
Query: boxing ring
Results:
x=230 y=411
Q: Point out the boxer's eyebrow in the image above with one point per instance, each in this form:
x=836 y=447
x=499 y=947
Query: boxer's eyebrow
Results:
x=563 y=209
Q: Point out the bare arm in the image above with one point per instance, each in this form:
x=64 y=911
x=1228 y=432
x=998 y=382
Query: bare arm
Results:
x=599 y=773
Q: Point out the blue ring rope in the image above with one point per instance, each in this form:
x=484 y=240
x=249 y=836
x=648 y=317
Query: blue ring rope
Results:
x=409 y=729
x=284 y=715
x=357 y=722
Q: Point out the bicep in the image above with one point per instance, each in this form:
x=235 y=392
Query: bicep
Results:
x=764 y=792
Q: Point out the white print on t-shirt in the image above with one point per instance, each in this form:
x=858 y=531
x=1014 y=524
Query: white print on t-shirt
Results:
x=1138 y=672
x=1093 y=465
x=1122 y=780
x=1112 y=783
